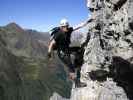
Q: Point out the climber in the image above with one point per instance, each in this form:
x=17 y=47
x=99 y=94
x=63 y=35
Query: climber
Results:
x=60 y=40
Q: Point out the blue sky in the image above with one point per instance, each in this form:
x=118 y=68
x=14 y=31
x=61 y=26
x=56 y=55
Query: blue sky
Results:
x=42 y=15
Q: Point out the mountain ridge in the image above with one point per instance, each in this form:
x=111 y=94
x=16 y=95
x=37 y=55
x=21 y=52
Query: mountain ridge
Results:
x=25 y=72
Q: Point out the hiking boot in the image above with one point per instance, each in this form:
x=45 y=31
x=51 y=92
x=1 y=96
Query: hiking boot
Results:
x=79 y=84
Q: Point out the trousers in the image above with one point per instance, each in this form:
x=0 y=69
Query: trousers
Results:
x=72 y=57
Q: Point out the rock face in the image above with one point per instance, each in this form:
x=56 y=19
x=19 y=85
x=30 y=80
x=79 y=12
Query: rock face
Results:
x=108 y=56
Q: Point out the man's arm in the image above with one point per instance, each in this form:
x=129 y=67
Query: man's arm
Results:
x=82 y=25
x=50 y=47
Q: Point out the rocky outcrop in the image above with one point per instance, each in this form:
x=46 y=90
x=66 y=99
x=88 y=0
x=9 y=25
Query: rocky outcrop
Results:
x=108 y=56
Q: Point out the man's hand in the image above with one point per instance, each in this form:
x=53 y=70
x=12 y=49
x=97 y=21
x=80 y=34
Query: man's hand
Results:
x=50 y=48
x=49 y=55
x=72 y=76
x=90 y=20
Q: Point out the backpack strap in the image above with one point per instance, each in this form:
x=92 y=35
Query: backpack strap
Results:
x=54 y=31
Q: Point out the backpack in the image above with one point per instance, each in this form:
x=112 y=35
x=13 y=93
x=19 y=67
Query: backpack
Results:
x=53 y=32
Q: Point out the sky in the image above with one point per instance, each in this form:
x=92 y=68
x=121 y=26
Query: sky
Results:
x=42 y=15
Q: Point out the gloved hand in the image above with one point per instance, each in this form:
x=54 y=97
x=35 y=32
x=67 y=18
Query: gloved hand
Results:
x=90 y=20
x=49 y=55
x=72 y=76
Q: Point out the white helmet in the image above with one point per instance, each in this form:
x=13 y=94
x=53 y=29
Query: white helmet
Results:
x=64 y=22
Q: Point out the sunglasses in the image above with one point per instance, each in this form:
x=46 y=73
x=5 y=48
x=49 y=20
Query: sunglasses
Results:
x=65 y=26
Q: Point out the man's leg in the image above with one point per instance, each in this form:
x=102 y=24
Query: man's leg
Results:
x=78 y=53
x=78 y=83
x=66 y=59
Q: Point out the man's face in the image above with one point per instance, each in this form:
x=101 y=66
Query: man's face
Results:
x=64 y=28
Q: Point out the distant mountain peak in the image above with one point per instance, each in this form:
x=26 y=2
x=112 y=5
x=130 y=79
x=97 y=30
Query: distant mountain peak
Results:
x=12 y=23
x=14 y=26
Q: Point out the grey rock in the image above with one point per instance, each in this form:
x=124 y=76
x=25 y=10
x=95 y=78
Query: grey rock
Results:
x=109 y=50
x=56 y=96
